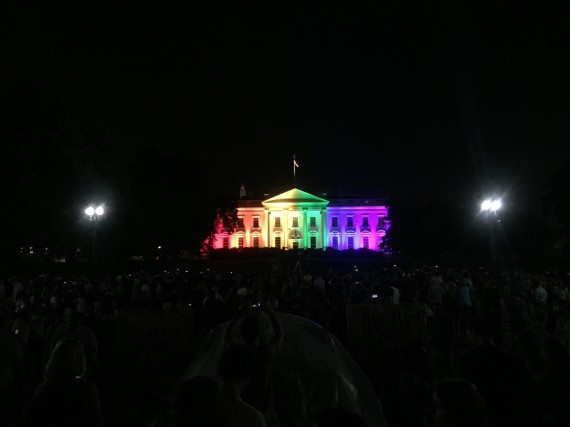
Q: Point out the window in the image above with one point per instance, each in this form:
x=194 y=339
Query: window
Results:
x=278 y=242
x=240 y=222
x=277 y=221
x=335 y=242
x=334 y=221
x=365 y=242
x=295 y=245
x=380 y=222
x=255 y=222
x=365 y=221
x=240 y=242
x=312 y=221
x=313 y=242
x=226 y=243
x=256 y=242
x=295 y=221
x=349 y=221
x=350 y=242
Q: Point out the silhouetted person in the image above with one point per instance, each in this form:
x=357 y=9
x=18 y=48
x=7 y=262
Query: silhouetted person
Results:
x=11 y=366
x=65 y=398
x=76 y=327
x=259 y=391
x=457 y=403
x=406 y=391
x=441 y=335
x=501 y=377
x=554 y=388
x=235 y=370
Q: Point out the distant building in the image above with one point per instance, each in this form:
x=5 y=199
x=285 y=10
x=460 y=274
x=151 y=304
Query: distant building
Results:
x=297 y=219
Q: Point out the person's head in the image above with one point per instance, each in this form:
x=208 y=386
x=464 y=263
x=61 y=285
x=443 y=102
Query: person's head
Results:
x=236 y=365
x=458 y=404
x=197 y=402
x=338 y=417
x=66 y=360
x=68 y=314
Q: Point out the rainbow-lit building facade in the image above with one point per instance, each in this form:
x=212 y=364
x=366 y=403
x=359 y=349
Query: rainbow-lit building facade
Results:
x=297 y=219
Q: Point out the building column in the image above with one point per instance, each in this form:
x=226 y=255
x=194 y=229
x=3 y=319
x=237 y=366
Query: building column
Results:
x=267 y=215
x=323 y=229
x=285 y=228
x=305 y=229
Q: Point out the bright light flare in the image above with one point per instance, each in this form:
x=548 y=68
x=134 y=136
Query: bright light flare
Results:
x=91 y=211
x=491 y=205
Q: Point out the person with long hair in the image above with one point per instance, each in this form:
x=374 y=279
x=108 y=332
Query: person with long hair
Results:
x=65 y=397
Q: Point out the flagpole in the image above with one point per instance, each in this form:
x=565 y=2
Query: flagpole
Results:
x=294 y=167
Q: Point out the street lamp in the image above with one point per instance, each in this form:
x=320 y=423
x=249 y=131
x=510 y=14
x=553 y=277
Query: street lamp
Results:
x=491 y=207
x=94 y=214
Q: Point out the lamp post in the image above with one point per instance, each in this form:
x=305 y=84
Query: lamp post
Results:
x=490 y=207
x=94 y=214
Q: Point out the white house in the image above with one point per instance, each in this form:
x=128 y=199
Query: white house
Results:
x=297 y=219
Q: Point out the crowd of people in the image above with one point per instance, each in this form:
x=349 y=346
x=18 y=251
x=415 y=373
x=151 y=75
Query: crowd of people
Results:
x=496 y=354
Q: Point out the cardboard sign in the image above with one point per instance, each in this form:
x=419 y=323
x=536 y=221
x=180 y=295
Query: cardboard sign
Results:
x=377 y=333
x=155 y=344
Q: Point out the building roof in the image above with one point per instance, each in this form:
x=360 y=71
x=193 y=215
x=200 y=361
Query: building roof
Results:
x=296 y=196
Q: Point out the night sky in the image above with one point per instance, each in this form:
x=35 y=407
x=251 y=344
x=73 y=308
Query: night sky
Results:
x=448 y=101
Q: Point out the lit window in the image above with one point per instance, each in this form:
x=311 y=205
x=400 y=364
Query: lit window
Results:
x=365 y=242
x=335 y=242
x=295 y=221
x=240 y=242
x=277 y=221
x=313 y=242
x=278 y=242
x=256 y=242
x=312 y=222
